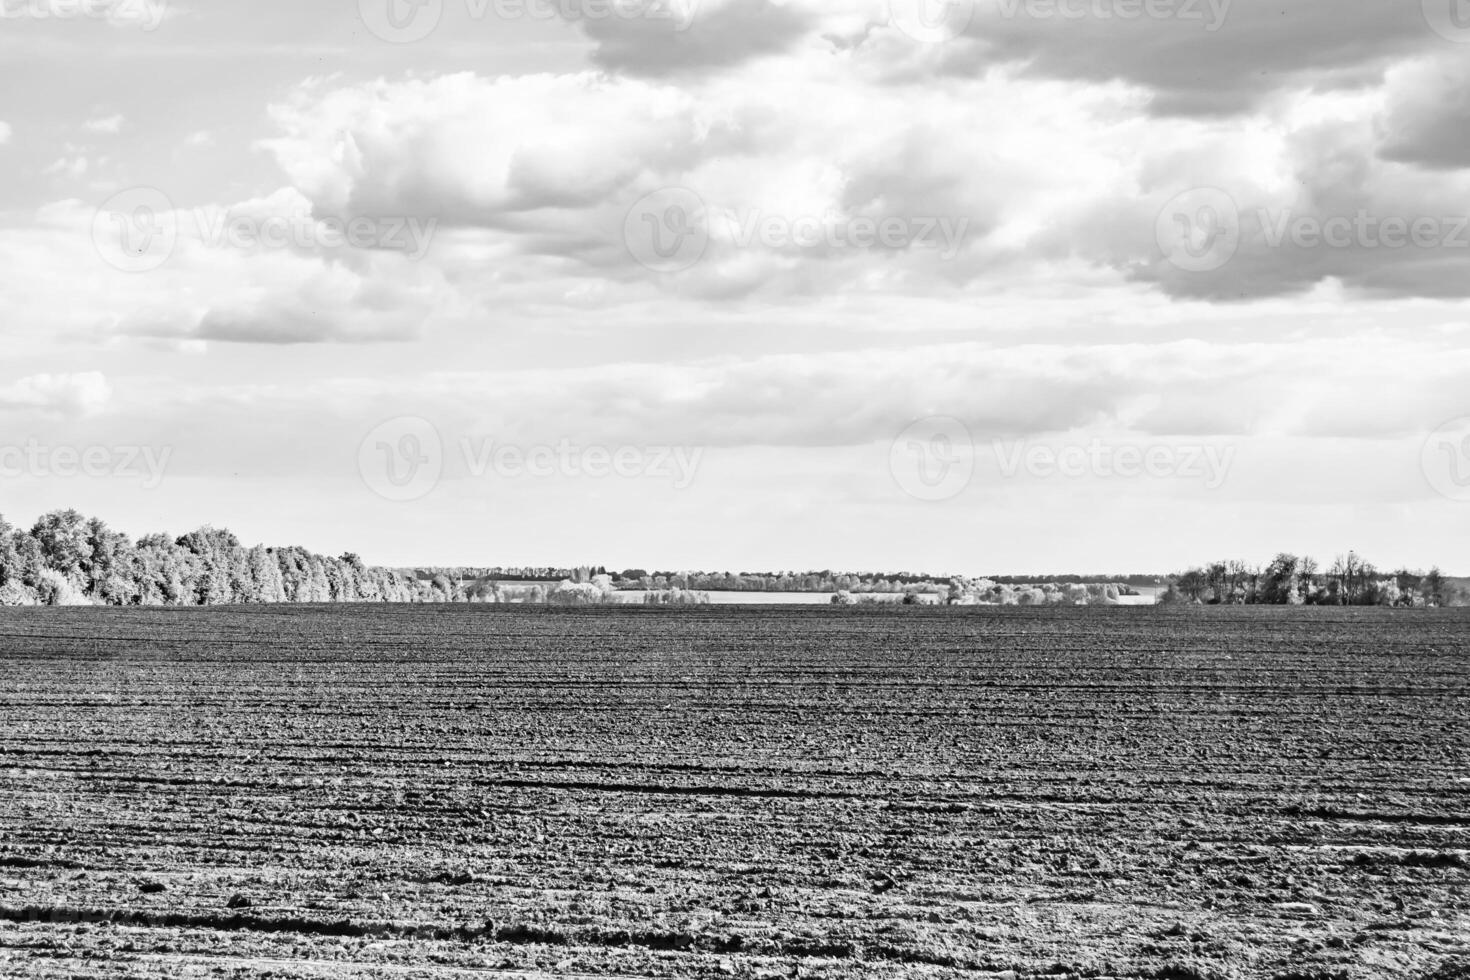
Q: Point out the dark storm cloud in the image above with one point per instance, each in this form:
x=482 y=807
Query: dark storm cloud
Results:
x=1205 y=58
x=697 y=36
x=1428 y=118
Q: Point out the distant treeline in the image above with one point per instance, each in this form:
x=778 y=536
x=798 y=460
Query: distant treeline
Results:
x=67 y=558
x=854 y=582
x=526 y=573
x=990 y=592
x=823 y=581
x=1291 y=580
x=70 y=559
x=1145 y=581
x=826 y=581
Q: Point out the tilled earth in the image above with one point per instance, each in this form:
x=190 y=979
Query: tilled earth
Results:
x=482 y=791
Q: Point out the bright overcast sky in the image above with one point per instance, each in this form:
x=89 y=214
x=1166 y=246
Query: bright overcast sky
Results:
x=1019 y=286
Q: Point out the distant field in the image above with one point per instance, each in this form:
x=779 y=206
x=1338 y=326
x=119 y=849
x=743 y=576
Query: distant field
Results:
x=874 y=792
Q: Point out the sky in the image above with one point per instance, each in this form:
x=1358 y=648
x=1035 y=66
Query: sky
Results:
x=1003 y=286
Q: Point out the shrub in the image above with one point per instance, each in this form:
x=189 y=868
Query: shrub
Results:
x=15 y=594
x=578 y=594
x=57 y=590
x=676 y=597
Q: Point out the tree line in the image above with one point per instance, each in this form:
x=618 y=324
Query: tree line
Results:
x=522 y=573
x=1293 y=580
x=66 y=558
x=69 y=559
x=1134 y=580
x=820 y=581
x=826 y=581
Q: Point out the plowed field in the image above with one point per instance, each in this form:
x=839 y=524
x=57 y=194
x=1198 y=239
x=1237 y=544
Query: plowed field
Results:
x=471 y=791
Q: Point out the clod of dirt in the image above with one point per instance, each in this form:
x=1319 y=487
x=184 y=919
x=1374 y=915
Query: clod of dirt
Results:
x=1299 y=908
x=239 y=902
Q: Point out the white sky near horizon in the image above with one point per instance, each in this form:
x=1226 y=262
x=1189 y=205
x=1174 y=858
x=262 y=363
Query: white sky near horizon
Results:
x=1293 y=395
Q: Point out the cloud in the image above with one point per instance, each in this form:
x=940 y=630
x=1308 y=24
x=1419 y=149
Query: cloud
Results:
x=1427 y=117
x=783 y=190
x=812 y=434
x=269 y=295
x=695 y=35
x=1198 y=58
x=66 y=394
x=1203 y=58
x=833 y=122
x=1185 y=389
x=70 y=167
x=1014 y=173
x=272 y=276
x=108 y=125
x=1376 y=226
x=292 y=300
x=481 y=151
